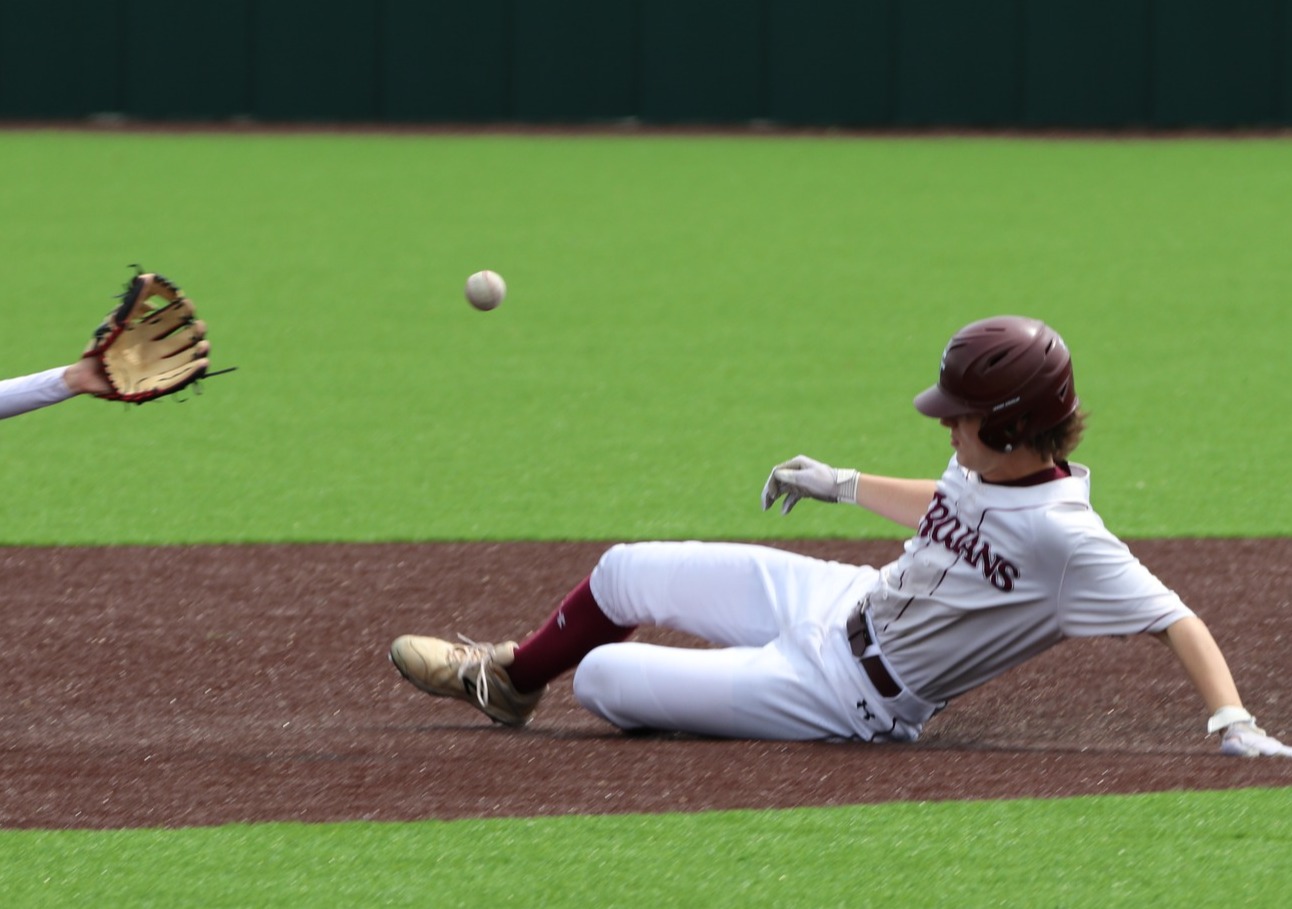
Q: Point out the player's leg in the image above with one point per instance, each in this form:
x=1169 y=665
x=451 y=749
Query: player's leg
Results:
x=506 y=680
x=577 y=626
x=717 y=591
x=732 y=692
x=731 y=594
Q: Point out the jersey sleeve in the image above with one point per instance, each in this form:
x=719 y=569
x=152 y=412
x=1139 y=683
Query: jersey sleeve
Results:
x=26 y=393
x=1106 y=590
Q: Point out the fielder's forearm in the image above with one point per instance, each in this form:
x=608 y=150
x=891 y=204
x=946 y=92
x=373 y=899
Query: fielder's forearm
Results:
x=1195 y=648
x=26 y=393
x=898 y=499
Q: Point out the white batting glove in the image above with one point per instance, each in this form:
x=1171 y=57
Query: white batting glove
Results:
x=1247 y=740
x=801 y=477
x=1241 y=737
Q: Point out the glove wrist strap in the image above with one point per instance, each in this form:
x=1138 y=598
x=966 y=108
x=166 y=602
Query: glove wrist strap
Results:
x=1227 y=716
x=845 y=486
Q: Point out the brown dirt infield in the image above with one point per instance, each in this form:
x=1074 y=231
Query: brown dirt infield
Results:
x=182 y=686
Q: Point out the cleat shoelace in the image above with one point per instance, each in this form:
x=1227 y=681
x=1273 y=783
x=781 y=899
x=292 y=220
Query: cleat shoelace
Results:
x=477 y=657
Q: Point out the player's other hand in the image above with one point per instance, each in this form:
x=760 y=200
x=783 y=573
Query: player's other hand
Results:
x=801 y=477
x=1245 y=739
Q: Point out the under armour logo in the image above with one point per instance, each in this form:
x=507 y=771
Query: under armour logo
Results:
x=865 y=710
x=560 y=619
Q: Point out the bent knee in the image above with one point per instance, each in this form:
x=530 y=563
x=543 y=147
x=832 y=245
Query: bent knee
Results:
x=610 y=565
x=613 y=583
x=594 y=682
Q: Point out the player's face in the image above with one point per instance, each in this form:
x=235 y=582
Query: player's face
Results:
x=971 y=451
x=990 y=464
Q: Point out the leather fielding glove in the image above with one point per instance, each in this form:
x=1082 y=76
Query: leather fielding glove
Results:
x=150 y=350
x=1241 y=737
x=801 y=477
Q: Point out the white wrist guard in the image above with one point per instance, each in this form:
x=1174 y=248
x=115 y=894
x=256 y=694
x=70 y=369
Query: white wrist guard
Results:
x=845 y=485
x=1227 y=716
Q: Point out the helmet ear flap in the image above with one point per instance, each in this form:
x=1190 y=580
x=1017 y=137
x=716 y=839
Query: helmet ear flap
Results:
x=1004 y=437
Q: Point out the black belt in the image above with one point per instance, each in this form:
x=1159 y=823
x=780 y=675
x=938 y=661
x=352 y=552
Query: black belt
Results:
x=860 y=640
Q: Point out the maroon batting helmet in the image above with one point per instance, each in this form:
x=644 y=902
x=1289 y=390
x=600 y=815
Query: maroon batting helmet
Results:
x=1014 y=372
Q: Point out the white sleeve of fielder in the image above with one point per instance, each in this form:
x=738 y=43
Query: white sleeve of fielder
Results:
x=32 y=392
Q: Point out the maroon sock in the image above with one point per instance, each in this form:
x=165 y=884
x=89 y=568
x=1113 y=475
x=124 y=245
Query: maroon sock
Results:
x=576 y=627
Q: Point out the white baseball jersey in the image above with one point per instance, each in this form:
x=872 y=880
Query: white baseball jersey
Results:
x=994 y=575
x=30 y=392
x=997 y=574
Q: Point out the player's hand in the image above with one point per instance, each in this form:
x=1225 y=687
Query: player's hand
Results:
x=1245 y=739
x=86 y=376
x=801 y=477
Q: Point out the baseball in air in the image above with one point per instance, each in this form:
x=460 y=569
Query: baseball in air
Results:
x=485 y=290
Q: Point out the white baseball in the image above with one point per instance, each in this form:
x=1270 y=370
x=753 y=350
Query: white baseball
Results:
x=485 y=290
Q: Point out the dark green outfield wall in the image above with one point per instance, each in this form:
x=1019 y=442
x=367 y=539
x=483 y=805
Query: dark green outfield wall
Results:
x=865 y=63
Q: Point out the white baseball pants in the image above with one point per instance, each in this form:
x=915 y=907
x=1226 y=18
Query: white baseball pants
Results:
x=783 y=670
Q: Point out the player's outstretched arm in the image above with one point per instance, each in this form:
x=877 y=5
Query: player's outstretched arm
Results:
x=26 y=393
x=22 y=394
x=1191 y=642
x=801 y=477
x=902 y=500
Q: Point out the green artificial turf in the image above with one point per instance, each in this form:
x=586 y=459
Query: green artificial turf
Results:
x=684 y=313
x=1166 y=849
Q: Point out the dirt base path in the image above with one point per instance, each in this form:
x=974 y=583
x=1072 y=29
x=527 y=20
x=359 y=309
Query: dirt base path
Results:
x=190 y=686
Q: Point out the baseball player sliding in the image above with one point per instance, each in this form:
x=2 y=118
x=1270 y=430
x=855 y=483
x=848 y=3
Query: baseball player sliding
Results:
x=1007 y=559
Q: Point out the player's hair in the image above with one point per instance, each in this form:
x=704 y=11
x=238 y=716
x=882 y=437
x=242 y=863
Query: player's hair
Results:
x=1060 y=441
